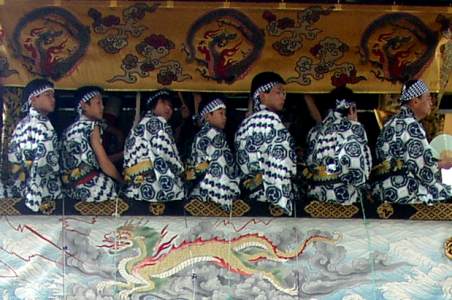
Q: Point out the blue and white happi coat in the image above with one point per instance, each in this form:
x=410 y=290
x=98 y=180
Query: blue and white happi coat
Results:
x=406 y=171
x=82 y=175
x=152 y=167
x=34 y=158
x=217 y=177
x=338 y=160
x=267 y=159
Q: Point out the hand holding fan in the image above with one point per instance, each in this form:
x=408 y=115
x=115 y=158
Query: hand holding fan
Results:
x=442 y=146
x=442 y=150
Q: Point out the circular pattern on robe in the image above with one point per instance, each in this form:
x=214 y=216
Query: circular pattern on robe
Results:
x=257 y=139
x=242 y=157
x=81 y=194
x=426 y=174
x=218 y=141
x=270 y=135
x=53 y=186
x=40 y=151
x=250 y=147
x=281 y=135
x=353 y=149
x=433 y=191
x=73 y=147
x=412 y=166
x=341 y=193
x=428 y=158
x=412 y=185
x=397 y=149
x=388 y=133
x=43 y=171
x=273 y=194
x=160 y=165
x=154 y=125
x=203 y=143
x=390 y=194
x=399 y=181
x=228 y=157
x=69 y=161
x=358 y=130
x=166 y=183
x=279 y=152
x=355 y=175
x=215 y=169
x=414 y=129
x=345 y=161
x=130 y=142
x=139 y=130
x=52 y=158
x=343 y=125
x=399 y=127
x=147 y=191
x=216 y=154
x=415 y=148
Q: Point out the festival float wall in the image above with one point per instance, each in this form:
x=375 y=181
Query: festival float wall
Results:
x=222 y=258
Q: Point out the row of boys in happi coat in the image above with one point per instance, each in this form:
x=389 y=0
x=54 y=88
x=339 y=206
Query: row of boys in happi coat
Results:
x=337 y=163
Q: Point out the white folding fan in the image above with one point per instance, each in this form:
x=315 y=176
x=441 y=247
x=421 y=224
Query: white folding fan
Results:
x=442 y=149
x=442 y=146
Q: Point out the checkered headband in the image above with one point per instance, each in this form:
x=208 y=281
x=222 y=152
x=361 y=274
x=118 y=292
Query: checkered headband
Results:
x=415 y=90
x=212 y=106
x=90 y=95
x=263 y=89
x=164 y=93
x=85 y=94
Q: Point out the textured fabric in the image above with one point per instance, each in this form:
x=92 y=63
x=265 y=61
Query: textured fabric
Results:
x=34 y=158
x=152 y=165
x=266 y=148
x=85 y=181
x=219 y=181
x=338 y=160
x=413 y=175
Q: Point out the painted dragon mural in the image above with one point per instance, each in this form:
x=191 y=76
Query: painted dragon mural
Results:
x=157 y=259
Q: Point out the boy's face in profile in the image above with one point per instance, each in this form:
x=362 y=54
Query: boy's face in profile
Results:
x=45 y=102
x=217 y=118
x=164 y=109
x=275 y=99
x=94 y=108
